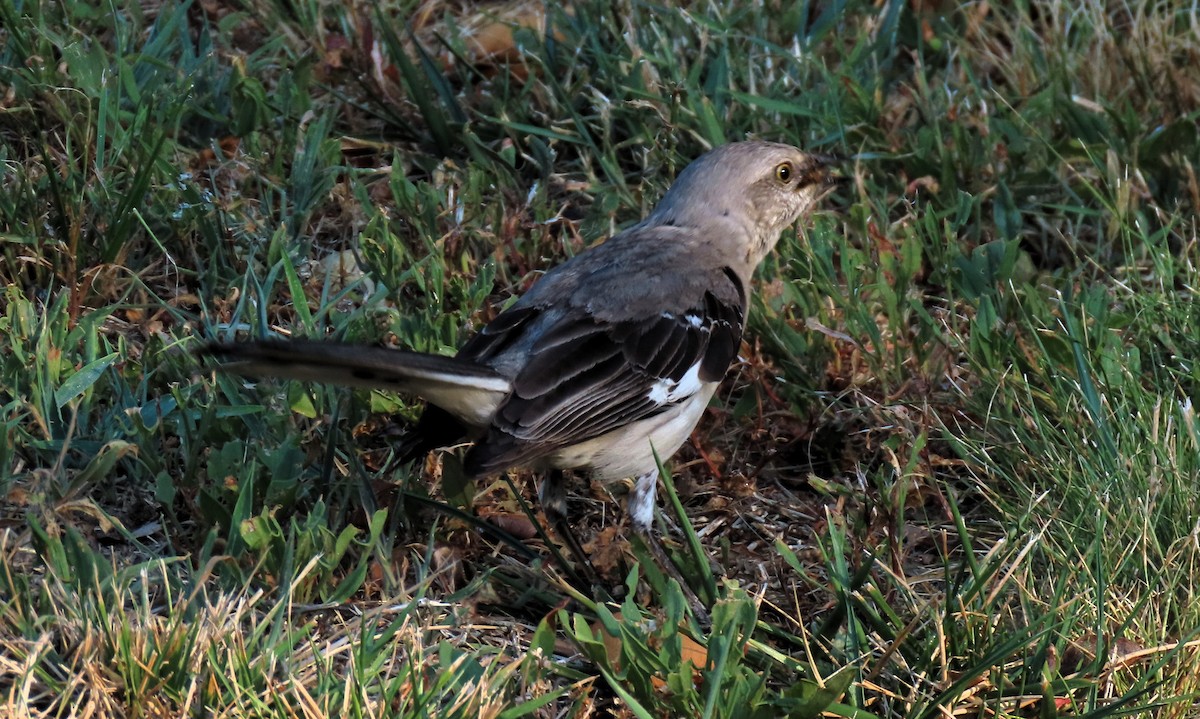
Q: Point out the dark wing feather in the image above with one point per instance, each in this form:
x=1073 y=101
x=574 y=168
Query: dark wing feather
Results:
x=499 y=335
x=584 y=377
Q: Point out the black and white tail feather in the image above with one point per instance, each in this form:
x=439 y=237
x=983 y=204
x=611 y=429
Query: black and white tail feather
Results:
x=469 y=391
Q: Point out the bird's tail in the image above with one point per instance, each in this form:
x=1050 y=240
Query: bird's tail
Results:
x=467 y=391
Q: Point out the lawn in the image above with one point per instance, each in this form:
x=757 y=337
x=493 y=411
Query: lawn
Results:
x=954 y=472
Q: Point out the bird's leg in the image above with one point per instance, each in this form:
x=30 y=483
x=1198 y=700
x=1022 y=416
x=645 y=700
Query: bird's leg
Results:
x=641 y=505
x=552 y=496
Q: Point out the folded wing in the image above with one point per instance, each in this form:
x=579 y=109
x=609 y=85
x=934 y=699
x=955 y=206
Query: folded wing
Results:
x=584 y=377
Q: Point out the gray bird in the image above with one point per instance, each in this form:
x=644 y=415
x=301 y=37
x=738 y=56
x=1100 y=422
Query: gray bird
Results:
x=612 y=356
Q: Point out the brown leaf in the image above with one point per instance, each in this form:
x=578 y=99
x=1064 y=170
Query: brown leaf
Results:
x=516 y=524
x=607 y=550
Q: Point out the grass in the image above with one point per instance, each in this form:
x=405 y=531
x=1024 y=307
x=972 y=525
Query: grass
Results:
x=954 y=474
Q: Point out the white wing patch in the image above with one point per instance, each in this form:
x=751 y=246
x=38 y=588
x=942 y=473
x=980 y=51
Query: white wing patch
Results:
x=667 y=390
x=692 y=318
x=660 y=391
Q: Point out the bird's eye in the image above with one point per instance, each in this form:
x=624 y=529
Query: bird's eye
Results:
x=783 y=172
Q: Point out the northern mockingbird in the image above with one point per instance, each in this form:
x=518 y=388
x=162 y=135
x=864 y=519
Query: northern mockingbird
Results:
x=612 y=356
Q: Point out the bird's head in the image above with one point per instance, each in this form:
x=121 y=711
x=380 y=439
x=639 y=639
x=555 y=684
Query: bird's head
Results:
x=762 y=187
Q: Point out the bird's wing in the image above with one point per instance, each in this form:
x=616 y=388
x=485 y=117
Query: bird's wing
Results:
x=583 y=375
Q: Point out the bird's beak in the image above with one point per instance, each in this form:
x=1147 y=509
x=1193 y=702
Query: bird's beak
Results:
x=818 y=173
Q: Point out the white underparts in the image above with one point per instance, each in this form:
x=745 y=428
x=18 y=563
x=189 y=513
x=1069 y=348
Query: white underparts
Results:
x=629 y=450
